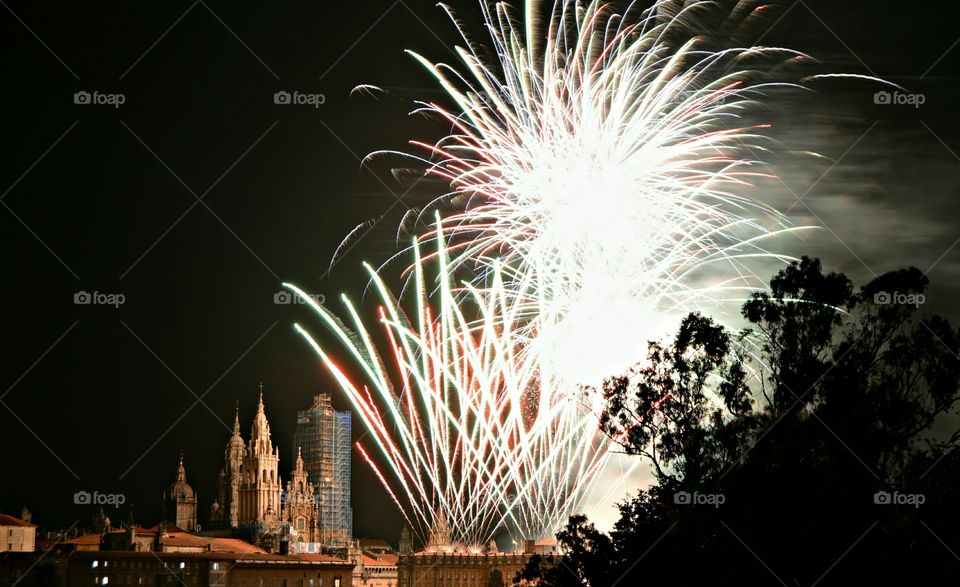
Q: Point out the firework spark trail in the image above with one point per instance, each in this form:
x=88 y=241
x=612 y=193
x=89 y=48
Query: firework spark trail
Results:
x=597 y=164
x=594 y=160
x=460 y=436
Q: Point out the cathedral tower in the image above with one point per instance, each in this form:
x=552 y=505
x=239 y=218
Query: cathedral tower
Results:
x=406 y=541
x=325 y=436
x=300 y=507
x=180 y=501
x=260 y=487
x=225 y=512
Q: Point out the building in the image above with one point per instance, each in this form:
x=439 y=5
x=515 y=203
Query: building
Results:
x=101 y=522
x=207 y=568
x=48 y=569
x=442 y=564
x=406 y=541
x=249 y=487
x=225 y=511
x=323 y=437
x=300 y=508
x=260 y=486
x=180 y=501
x=89 y=541
x=176 y=569
x=17 y=535
x=375 y=564
x=460 y=569
x=251 y=500
x=309 y=570
x=376 y=545
x=162 y=538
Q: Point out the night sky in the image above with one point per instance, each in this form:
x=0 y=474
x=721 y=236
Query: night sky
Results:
x=199 y=195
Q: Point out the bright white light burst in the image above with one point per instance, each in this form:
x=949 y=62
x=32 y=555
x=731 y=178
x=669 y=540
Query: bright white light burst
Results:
x=458 y=414
x=598 y=166
x=596 y=160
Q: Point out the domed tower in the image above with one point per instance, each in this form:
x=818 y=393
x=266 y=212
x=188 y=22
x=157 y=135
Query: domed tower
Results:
x=180 y=501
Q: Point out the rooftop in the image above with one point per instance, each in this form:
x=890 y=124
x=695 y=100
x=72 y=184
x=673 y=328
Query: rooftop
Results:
x=84 y=539
x=372 y=559
x=8 y=520
x=374 y=543
x=239 y=557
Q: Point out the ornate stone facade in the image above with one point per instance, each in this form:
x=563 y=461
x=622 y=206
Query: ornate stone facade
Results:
x=300 y=508
x=260 y=486
x=459 y=569
x=251 y=499
x=442 y=564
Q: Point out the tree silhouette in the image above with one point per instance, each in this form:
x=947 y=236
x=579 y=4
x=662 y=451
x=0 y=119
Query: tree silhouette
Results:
x=815 y=448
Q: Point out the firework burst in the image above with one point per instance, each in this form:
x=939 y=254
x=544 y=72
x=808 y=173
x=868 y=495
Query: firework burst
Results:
x=595 y=160
x=468 y=434
x=597 y=165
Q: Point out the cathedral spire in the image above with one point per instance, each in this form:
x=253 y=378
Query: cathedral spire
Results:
x=260 y=406
x=236 y=421
x=260 y=429
x=181 y=471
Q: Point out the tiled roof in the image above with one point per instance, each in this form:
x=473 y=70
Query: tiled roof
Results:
x=321 y=558
x=234 y=545
x=373 y=559
x=293 y=559
x=85 y=539
x=137 y=529
x=176 y=537
x=8 y=520
x=240 y=558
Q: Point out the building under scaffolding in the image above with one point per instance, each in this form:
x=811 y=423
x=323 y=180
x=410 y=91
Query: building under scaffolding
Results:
x=323 y=435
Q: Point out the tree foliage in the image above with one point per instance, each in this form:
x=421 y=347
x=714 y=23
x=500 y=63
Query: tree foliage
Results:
x=817 y=447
